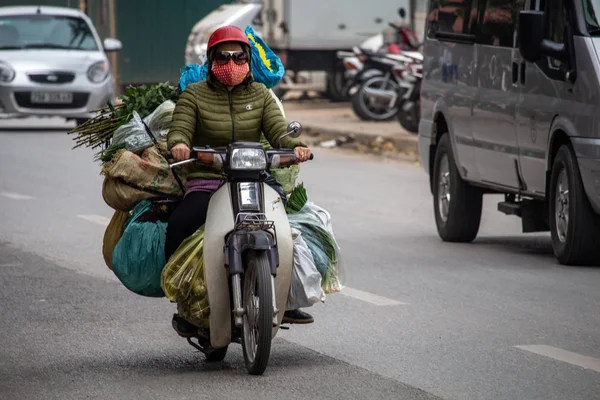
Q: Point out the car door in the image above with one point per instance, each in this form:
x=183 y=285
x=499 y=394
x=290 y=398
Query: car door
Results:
x=494 y=110
x=542 y=85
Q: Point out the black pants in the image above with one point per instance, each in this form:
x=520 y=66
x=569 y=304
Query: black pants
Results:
x=189 y=215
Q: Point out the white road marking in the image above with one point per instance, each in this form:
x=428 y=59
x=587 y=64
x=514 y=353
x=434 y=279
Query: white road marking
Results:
x=564 y=355
x=96 y=219
x=370 y=297
x=16 y=196
x=11 y=265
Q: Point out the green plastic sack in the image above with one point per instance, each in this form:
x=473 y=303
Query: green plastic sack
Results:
x=139 y=257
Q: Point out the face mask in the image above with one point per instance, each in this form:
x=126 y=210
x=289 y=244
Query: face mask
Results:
x=231 y=74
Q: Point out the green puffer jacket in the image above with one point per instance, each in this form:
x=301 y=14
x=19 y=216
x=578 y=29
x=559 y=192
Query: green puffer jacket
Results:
x=215 y=117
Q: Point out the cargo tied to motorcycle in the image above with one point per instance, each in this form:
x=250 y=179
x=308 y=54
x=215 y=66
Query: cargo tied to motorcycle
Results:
x=144 y=189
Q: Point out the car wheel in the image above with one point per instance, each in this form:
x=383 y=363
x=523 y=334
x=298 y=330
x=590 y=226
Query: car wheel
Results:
x=457 y=204
x=574 y=226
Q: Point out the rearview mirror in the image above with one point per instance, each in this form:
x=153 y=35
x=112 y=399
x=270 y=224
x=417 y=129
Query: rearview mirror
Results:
x=532 y=44
x=294 y=129
x=112 y=45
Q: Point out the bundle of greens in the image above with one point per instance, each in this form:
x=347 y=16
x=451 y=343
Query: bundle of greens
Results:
x=314 y=225
x=98 y=131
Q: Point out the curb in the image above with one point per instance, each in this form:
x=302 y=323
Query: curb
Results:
x=401 y=146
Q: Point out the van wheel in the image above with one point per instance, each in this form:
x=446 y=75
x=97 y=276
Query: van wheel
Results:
x=457 y=204
x=574 y=226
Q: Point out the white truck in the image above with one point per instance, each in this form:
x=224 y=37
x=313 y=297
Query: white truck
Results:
x=306 y=34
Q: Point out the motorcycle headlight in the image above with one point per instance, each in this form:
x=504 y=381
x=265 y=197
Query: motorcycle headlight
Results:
x=7 y=74
x=248 y=159
x=98 y=72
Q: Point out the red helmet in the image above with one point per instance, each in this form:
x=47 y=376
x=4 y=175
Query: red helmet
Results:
x=228 y=33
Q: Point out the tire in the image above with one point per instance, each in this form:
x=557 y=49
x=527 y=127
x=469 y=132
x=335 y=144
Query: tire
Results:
x=216 y=355
x=335 y=86
x=80 y=121
x=257 y=275
x=359 y=102
x=459 y=220
x=410 y=120
x=576 y=238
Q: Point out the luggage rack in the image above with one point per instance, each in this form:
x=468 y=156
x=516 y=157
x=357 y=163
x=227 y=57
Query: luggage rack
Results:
x=256 y=221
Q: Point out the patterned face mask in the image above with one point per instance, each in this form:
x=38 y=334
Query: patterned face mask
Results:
x=231 y=74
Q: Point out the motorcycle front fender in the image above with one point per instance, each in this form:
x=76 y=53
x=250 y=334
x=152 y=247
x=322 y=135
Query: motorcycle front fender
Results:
x=220 y=222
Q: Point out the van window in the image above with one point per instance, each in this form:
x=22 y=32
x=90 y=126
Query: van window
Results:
x=451 y=16
x=498 y=22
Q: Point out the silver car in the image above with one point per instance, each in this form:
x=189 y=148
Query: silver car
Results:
x=52 y=63
x=510 y=100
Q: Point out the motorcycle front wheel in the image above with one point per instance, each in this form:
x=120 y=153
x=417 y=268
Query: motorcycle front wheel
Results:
x=257 y=298
x=369 y=109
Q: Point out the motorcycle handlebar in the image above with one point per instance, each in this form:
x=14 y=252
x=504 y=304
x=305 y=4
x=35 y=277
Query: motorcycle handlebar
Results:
x=285 y=162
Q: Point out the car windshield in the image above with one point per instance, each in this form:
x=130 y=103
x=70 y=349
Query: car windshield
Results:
x=592 y=15
x=45 y=32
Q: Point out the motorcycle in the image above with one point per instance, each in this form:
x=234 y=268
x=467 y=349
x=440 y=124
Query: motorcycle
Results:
x=409 y=102
x=354 y=62
x=375 y=98
x=248 y=251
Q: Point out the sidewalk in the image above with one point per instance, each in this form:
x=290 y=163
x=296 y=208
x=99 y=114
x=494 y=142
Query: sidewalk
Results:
x=335 y=125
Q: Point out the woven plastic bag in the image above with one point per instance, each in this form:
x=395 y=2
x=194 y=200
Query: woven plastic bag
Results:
x=112 y=235
x=314 y=223
x=267 y=67
x=183 y=280
x=305 y=287
x=139 y=257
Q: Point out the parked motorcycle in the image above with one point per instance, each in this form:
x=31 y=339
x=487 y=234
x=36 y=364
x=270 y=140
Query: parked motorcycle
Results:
x=376 y=97
x=248 y=251
x=409 y=102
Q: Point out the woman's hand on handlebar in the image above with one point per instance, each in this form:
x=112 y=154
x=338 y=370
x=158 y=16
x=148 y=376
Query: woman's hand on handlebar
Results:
x=302 y=154
x=180 y=152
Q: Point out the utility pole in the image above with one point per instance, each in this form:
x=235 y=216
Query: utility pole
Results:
x=114 y=57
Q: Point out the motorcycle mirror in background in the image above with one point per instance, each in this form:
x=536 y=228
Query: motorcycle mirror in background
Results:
x=402 y=12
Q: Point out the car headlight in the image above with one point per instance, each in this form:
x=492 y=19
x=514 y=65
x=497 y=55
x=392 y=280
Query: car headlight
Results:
x=7 y=74
x=248 y=159
x=98 y=72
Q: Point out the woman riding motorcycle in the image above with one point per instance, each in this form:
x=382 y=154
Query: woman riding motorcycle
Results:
x=228 y=106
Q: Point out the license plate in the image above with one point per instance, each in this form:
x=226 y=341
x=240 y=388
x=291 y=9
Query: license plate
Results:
x=51 y=98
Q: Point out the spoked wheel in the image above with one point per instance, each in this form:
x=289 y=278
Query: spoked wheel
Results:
x=371 y=109
x=258 y=317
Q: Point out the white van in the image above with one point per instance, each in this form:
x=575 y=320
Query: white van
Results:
x=511 y=105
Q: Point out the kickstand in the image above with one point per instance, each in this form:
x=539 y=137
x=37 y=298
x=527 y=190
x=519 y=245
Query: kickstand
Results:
x=197 y=346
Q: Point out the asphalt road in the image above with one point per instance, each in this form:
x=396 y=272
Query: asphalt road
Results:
x=420 y=319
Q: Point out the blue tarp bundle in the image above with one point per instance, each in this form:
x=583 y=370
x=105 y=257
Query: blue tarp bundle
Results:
x=139 y=257
x=267 y=67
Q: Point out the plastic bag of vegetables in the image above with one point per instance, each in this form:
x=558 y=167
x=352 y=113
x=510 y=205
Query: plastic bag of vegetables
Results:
x=159 y=121
x=305 y=287
x=314 y=223
x=183 y=280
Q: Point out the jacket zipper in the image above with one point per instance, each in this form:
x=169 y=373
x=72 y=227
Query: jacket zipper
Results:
x=231 y=113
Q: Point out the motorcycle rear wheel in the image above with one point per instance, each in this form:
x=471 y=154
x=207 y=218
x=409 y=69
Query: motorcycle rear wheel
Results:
x=257 y=300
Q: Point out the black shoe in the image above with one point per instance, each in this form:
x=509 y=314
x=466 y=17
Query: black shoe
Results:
x=184 y=328
x=297 y=317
